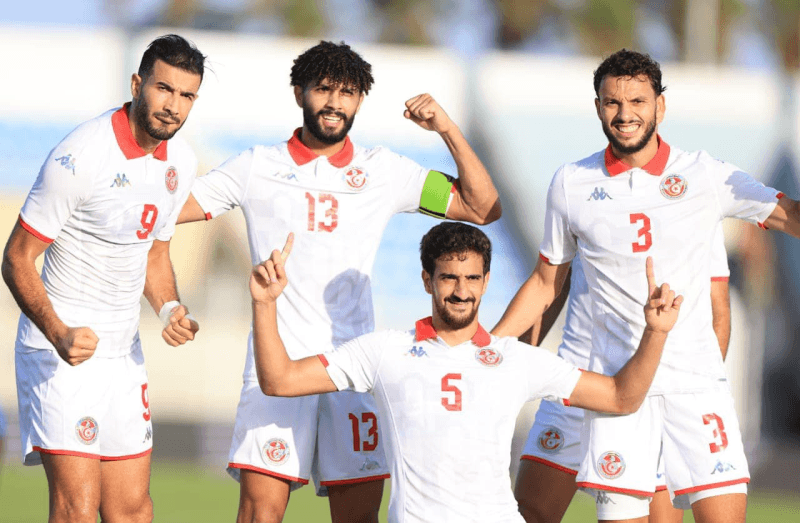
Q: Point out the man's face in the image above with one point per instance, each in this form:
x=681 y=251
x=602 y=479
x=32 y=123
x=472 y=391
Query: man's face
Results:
x=629 y=111
x=456 y=286
x=162 y=100
x=329 y=110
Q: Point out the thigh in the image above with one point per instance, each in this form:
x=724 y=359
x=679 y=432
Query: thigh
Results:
x=543 y=492
x=262 y=497
x=125 y=490
x=74 y=485
x=662 y=511
x=357 y=502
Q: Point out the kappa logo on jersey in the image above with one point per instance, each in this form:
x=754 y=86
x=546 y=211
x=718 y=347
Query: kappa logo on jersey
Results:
x=611 y=465
x=356 y=178
x=599 y=194
x=550 y=439
x=416 y=352
x=120 y=181
x=488 y=356
x=67 y=162
x=171 y=179
x=275 y=452
x=721 y=467
x=603 y=499
x=285 y=176
x=673 y=187
x=86 y=429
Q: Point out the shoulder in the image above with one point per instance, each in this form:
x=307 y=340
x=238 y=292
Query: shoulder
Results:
x=179 y=150
x=700 y=161
x=591 y=165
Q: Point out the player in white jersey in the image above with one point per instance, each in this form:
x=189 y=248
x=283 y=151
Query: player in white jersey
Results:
x=552 y=455
x=447 y=391
x=337 y=197
x=102 y=210
x=641 y=198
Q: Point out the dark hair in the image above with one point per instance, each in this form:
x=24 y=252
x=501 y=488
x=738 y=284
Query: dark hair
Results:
x=335 y=62
x=453 y=238
x=629 y=63
x=175 y=51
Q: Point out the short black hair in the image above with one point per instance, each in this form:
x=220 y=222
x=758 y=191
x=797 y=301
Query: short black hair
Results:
x=453 y=238
x=632 y=64
x=335 y=62
x=174 y=50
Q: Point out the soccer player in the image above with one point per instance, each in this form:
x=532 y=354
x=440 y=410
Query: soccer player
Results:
x=338 y=198
x=663 y=202
x=102 y=211
x=447 y=391
x=552 y=455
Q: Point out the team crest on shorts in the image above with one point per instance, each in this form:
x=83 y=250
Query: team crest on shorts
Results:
x=611 y=465
x=488 y=356
x=171 y=179
x=356 y=178
x=550 y=439
x=673 y=187
x=275 y=452
x=86 y=430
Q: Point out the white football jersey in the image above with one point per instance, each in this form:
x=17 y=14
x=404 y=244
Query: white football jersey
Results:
x=616 y=216
x=100 y=201
x=449 y=415
x=337 y=208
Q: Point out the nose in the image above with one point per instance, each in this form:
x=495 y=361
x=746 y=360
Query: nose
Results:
x=461 y=289
x=625 y=112
x=334 y=99
x=171 y=104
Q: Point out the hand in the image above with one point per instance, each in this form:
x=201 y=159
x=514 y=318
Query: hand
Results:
x=268 y=278
x=662 y=307
x=77 y=345
x=181 y=328
x=426 y=112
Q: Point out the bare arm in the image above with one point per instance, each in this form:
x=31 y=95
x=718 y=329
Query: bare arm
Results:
x=536 y=334
x=533 y=299
x=74 y=345
x=785 y=217
x=278 y=375
x=721 y=314
x=191 y=211
x=624 y=392
x=476 y=199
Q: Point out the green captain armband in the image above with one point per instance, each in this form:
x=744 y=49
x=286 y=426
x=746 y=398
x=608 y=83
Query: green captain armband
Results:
x=436 y=194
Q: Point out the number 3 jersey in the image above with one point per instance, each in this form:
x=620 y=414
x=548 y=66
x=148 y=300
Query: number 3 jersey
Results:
x=616 y=216
x=337 y=208
x=449 y=415
x=100 y=201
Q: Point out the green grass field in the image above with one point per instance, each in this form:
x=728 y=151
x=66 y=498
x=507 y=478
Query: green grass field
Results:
x=185 y=494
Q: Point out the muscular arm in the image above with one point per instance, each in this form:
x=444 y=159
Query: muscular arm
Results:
x=536 y=334
x=160 y=288
x=721 y=314
x=191 y=211
x=785 y=217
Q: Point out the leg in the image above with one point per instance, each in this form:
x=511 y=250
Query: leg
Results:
x=74 y=485
x=356 y=503
x=543 y=493
x=728 y=508
x=262 y=498
x=662 y=511
x=126 y=491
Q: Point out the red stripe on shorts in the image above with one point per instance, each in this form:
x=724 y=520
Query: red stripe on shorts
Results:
x=596 y=486
x=59 y=452
x=130 y=456
x=267 y=472
x=710 y=486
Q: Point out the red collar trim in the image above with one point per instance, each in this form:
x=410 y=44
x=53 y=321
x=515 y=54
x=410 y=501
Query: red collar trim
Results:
x=425 y=331
x=301 y=154
x=656 y=166
x=127 y=143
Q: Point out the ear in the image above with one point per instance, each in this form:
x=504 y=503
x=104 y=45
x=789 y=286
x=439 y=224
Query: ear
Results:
x=597 y=107
x=486 y=282
x=298 y=95
x=136 y=85
x=426 y=281
x=661 y=108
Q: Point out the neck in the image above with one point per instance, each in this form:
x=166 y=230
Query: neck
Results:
x=318 y=147
x=145 y=141
x=452 y=336
x=639 y=158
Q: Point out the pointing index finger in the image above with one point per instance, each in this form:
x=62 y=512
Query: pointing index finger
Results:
x=651 y=276
x=287 y=248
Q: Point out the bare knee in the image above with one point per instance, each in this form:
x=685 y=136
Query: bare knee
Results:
x=131 y=510
x=64 y=509
x=262 y=498
x=356 y=503
x=252 y=512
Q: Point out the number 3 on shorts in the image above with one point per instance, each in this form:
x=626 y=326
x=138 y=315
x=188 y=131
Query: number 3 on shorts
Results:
x=721 y=439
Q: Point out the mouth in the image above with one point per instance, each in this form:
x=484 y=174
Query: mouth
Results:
x=332 y=119
x=628 y=129
x=165 y=119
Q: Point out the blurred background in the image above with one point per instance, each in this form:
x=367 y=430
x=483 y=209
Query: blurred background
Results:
x=516 y=75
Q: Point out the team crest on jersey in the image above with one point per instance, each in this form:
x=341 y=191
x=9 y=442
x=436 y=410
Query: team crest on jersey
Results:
x=488 y=356
x=171 y=179
x=673 y=186
x=275 y=452
x=356 y=178
x=67 y=162
x=611 y=465
x=550 y=439
x=87 y=430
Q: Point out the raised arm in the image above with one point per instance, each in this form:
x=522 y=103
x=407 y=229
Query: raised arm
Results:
x=536 y=334
x=191 y=211
x=624 y=392
x=476 y=199
x=278 y=375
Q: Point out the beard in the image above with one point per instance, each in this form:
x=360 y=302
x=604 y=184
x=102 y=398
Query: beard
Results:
x=457 y=322
x=313 y=125
x=141 y=115
x=649 y=130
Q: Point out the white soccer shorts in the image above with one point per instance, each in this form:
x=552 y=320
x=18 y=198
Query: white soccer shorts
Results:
x=333 y=438
x=99 y=409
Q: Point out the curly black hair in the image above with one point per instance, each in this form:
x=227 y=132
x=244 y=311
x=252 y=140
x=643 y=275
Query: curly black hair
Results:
x=453 y=238
x=629 y=63
x=174 y=50
x=336 y=63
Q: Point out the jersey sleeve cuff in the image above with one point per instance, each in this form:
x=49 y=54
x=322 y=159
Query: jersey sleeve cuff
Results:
x=33 y=231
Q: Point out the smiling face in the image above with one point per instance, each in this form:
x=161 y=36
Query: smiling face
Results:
x=328 y=110
x=456 y=287
x=630 y=112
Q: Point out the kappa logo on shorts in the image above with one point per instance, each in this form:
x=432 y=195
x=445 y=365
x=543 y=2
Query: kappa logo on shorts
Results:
x=148 y=435
x=603 y=498
x=86 y=430
x=550 y=439
x=356 y=178
x=67 y=162
x=275 y=452
x=171 y=179
x=721 y=467
x=488 y=356
x=673 y=187
x=611 y=465
x=369 y=464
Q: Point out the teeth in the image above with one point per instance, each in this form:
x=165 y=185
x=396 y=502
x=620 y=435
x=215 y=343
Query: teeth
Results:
x=627 y=128
x=331 y=118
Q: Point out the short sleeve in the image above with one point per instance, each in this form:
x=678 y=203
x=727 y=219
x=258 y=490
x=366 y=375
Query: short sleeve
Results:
x=719 y=257
x=406 y=180
x=223 y=188
x=64 y=182
x=740 y=195
x=550 y=377
x=559 y=245
x=354 y=365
